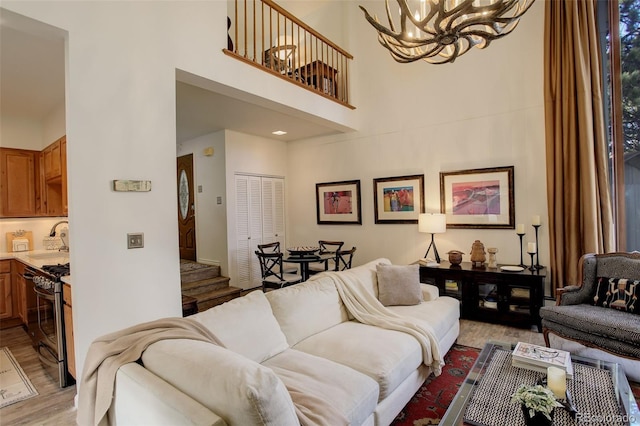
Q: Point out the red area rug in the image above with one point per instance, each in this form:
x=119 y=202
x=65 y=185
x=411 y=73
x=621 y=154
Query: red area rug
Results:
x=430 y=403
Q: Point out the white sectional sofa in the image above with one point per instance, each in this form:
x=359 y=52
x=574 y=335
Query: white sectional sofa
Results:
x=294 y=344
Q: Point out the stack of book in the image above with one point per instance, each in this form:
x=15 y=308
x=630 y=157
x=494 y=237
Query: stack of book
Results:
x=428 y=262
x=538 y=358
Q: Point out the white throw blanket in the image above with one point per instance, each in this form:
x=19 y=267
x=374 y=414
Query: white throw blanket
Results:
x=364 y=307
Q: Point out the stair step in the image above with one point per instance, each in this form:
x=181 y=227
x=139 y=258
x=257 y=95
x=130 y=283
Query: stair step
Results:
x=216 y=297
x=191 y=271
x=202 y=286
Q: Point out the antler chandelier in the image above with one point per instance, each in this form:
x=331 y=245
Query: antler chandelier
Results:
x=439 y=31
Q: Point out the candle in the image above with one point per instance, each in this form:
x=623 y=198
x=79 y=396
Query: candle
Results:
x=535 y=220
x=531 y=248
x=520 y=228
x=557 y=381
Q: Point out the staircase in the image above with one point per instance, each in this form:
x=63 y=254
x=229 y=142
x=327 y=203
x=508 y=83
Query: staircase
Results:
x=205 y=284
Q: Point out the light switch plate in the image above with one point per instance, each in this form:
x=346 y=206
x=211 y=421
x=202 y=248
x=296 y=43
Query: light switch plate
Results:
x=135 y=240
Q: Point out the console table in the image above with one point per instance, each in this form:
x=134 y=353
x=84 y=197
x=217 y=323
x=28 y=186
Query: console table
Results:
x=492 y=295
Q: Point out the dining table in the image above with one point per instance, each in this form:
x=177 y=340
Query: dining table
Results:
x=303 y=256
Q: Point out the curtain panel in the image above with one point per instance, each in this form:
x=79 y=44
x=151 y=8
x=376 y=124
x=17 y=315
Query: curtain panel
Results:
x=580 y=211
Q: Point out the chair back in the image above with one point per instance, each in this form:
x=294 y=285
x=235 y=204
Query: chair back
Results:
x=344 y=258
x=270 y=264
x=280 y=58
x=329 y=246
x=269 y=247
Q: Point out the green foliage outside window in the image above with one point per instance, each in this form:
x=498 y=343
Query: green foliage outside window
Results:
x=630 y=78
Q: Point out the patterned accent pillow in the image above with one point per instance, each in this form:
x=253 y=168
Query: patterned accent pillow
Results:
x=618 y=293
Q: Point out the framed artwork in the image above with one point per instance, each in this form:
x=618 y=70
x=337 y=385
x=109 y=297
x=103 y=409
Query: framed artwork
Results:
x=398 y=199
x=478 y=198
x=338 y=203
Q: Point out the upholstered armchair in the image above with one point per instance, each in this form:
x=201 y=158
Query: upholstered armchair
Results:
x=603 y=310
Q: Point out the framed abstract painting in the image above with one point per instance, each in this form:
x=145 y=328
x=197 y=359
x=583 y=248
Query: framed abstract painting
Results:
x=398 y=199
x=478 y=198
x=338 y=203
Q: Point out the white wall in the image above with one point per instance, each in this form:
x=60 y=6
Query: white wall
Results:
x=54 y=125
x=211 y=217
x=484 y=110
x=32 y=133
x=20 y=132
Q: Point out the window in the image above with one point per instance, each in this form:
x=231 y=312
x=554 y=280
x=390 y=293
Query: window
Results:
x=622 y=41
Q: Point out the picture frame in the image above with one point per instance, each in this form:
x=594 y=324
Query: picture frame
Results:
x=338 y=203
x=398 y=199
x=478 y=198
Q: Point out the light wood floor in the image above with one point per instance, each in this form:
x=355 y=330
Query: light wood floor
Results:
x=55 y=406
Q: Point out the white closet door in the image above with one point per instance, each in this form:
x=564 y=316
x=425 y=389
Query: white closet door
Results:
x=273 y=228
x=255 y=208
x=248 y=230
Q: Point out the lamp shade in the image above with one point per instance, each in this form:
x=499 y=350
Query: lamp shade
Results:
x=432 y=223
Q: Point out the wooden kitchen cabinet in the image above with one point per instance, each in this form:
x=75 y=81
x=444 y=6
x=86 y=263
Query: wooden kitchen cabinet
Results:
x=26 y=308
x=68 y=330
x=6 y=290
x=19 y=184
x=63 y=179
x=53 y=160
x=34 y=183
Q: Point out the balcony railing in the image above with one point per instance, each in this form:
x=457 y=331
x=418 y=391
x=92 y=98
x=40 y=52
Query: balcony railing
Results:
x=265 y=35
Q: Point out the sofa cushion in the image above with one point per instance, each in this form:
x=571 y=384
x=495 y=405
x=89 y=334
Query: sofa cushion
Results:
x=441 y=314
x=353 y=394
x=386 y=356
x=399 y=285
x=239 y=390
x=615 y=330
x=618 y=293
x=246 y=325
x=306 y=309
x=368 y=275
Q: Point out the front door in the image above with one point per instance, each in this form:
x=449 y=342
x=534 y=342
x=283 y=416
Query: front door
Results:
x=186 y=208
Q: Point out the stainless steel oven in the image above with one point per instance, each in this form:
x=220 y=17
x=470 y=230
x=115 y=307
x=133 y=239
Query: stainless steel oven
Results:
x=48 y=336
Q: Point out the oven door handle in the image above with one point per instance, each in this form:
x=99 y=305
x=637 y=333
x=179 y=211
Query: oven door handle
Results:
x=44 y=295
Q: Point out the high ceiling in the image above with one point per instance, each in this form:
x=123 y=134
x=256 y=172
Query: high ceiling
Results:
x=32 y=84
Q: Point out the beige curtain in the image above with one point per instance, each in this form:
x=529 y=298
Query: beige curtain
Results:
x=580 y=212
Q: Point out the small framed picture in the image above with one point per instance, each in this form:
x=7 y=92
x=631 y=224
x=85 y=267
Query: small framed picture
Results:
x=338 y=203
x=478 y=198
x=398 y=199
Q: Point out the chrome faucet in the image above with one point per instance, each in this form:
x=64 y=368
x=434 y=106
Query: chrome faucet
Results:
x=63 y=236
x=53 y=229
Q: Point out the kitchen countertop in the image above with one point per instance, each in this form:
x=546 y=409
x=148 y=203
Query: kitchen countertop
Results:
x=39 y=258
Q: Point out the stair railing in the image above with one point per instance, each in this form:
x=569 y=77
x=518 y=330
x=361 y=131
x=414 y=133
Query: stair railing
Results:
x=265 y=35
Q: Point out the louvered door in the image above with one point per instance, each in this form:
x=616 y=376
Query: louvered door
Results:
x=273 y=210
x=259 y=218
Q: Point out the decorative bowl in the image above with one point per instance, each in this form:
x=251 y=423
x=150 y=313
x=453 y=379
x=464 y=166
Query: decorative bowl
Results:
x=455 y=257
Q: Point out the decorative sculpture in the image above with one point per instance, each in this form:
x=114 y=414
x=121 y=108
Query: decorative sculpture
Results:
x=478 y=255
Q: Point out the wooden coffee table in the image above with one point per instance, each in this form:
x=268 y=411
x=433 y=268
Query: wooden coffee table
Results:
x=629 y=412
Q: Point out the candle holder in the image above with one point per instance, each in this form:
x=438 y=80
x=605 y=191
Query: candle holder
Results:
x=522 y=265
x=532 y=267
x=538 y=266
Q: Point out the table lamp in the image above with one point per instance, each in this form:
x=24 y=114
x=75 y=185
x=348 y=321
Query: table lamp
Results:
x=432 y=223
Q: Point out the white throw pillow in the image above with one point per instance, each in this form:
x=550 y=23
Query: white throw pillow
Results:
x=246 y=325
x=399 y=285
x=237 y=389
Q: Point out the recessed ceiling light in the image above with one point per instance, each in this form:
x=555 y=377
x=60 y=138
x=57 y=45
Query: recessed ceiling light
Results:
x=279 y=132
